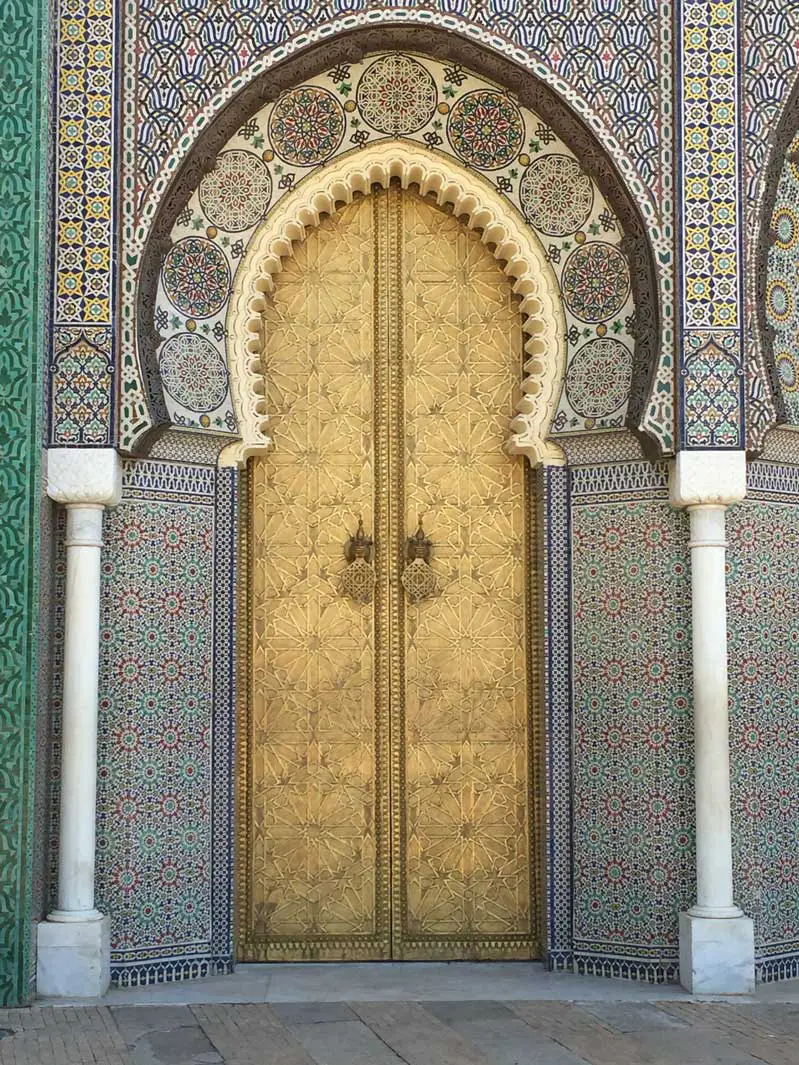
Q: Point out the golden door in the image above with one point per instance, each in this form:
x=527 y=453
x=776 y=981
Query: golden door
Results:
x=387 y=756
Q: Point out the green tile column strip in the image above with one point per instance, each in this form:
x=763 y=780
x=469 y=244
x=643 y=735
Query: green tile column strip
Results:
x=711 y=380
x=23 y=214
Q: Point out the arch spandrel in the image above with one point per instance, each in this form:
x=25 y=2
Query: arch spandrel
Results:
x=593 y=242
x=478 y=205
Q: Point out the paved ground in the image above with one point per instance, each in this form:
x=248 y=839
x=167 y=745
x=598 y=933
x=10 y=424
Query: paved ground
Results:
x=466 y=1013
x=670 y=1032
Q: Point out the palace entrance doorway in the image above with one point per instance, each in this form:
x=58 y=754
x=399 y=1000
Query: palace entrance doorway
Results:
x=388 y=753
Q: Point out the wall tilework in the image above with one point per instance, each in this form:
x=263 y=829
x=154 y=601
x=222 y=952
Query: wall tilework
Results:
x=611 y=63
x=770 y=52
x=24 y=244
x=553 y=521
x=81 y=393
x=711 y=308
x=633 y=738
x=770 y=35
x=165 y=739
x=439 y=106
x=763 y=623
x=781 y=291
x=612 y=56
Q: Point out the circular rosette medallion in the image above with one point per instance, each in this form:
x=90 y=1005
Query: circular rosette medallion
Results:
x=595 y=282
x=192 y=372
x=196 y=277
x=556 y=196
x=486 y=129
x=779 y=301
x=306 y=126
x=236 y=193
x=785 y=225
x=787 y=372
x=599 y=377
x=397 y=95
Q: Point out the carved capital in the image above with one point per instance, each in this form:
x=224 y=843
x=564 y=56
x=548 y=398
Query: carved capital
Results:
x=707 y=478
x=78 y=475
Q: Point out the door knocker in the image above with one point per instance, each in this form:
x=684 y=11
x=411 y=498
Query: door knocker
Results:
x=418 y=578
x=358 y=579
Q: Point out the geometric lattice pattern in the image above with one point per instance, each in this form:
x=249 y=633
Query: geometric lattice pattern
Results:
x=614 y=60
x=615 y=65
x=154 y=824
x=782 y=290
x=763 y=592
x=82 y=373
x=770 y=31
x=633 y=735
x=81 y=393
x=710 y=223
x=23 y=258
x=440 y=106
x=163 y=869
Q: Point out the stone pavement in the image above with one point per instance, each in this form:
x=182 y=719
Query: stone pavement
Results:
x=663 y=1031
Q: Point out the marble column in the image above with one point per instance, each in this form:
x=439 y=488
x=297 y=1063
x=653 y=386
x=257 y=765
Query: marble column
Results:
x=716 y=938
x=73 y=947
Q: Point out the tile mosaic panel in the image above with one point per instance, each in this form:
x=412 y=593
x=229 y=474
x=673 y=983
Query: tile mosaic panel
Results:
x=553 y=521
x=165 y=731
x=25 y=246
x=612 y=55
x=439 y=106
x=633 y=738
x=710 y=225
x=782 y=295
x=81 y=384
x=770 y=35
x=611 y=63
x=763 y=592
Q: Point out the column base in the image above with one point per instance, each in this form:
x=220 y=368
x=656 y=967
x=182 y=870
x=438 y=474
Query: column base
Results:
x=717 y=955
x=73 y=958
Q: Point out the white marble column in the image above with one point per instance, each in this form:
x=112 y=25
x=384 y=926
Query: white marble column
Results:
x=716 y=938
x=73 y=949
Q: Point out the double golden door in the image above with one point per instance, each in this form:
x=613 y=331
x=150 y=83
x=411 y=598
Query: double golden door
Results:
x=387 y=750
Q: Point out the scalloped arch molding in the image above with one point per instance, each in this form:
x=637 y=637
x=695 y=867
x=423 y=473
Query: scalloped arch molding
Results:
x=478 y=206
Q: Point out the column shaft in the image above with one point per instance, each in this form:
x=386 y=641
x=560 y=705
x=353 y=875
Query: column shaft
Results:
x=711 y=716
x=79 y=716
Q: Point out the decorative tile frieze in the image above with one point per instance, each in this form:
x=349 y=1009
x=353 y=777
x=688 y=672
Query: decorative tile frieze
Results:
x=710 y=224
x=553 y=519
x=81 y=386
x=448 y=108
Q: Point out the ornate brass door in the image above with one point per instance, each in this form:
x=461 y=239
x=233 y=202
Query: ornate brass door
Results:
x=388 y=760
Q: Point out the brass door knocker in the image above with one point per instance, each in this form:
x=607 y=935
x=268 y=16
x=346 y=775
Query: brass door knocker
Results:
x=358 y=579
x=418 y=578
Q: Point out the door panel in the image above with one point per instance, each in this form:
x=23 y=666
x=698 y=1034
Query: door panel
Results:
x=464 y=875
x=385 y=798
x=316 y=858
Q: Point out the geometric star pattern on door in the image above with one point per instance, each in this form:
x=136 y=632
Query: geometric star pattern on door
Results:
x=426 y=702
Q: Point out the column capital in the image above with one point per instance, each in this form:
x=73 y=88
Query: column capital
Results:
x=707 y=478
x=82 y=475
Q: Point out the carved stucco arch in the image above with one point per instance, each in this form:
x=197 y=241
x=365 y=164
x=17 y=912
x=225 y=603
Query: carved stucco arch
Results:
x=478 y=206
x=645 y=244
